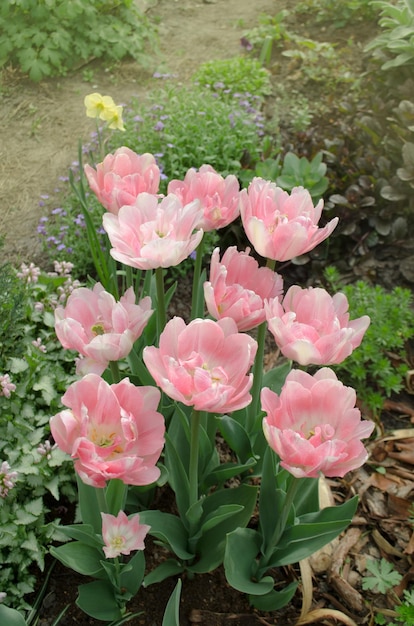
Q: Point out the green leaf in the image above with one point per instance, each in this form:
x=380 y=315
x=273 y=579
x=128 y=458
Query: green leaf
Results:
x=275 y=378
x=17 y=365
x=168 y=568
x=11 y=617
x=172 y=610
x=132 y=575
x=210 y=548
x=271 y=499
x=274 y=600
x=242 y=548
x=89 y=505
x=46 y=386
x=228 y=470
x=169 y=529
x=236 y=436
x=80 y=557
x=82 y=532
x=383 y=578
x=98 y=600
x=177 y=476
x=312 y=532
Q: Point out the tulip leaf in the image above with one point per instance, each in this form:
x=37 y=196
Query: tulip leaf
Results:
x=307 y=496
x=169 y=529
x=242 y=548
x=132 y=574
x=115 y=496
x=89 y=505
x=82 y=532
x=98 y=600
x=312 y=532
x=80 y=557
x=172 y=610
x=271 y=499
x=275 y=378
x=274 y=600
x=167 y=568
x=226 y=471
x=210 y=548
x=177 y=476
x=213 y=519
x=236 y=436
x=11 y=617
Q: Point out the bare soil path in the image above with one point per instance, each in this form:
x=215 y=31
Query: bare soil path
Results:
x=42 y=123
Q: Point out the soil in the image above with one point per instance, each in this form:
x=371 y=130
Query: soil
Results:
x=42 y=124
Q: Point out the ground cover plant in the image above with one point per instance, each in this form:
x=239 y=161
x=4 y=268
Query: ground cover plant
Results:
x=135 y=499
x=35 y=371
x=49 y=38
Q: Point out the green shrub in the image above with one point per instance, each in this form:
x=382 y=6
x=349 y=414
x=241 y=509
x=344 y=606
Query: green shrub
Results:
x=377 y=368
x=49 y=37
x=236 y=75
x=395 y=44
x=34 y=373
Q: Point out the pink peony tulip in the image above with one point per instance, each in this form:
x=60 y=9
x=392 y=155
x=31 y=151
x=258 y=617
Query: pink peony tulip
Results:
x=238 y=288
x=281 y=226
x=204 y=364
x=98 y=327
x=121 y=177
x=314 y=425
x=151 y=234
x=112 y=431
x=218 y=196
x=310 y=326
x=122 y=535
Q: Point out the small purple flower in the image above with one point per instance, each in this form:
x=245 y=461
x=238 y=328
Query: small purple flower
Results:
x=245 y=43
x=159 y=126
x=29 y=273
x=6 y=386
x=7 y=479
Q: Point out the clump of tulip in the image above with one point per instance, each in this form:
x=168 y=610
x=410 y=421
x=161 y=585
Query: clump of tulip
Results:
x=176 y=385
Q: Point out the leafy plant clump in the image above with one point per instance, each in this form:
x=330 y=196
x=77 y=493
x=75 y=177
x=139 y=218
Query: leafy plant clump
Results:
x=378 y=367
x=50 y=37
x=339 y=14
x=34 y=372
x=236 y=75
x=394 y=46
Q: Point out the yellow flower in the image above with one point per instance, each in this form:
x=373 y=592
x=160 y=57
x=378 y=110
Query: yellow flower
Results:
x=105 y=108
x=113 y=116
x=96 y=104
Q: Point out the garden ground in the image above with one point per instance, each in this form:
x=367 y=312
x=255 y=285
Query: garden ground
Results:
x=41 y=129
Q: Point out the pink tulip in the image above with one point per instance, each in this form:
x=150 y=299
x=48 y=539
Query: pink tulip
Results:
x=310 y=326
x=98 y=327
x=281 y=226
x=204 y=364
x=218 y=196
x=151 y=234
x=238 y=288
x=314 y=425
x=122 y=535
x=121 y=177
x=112 y=431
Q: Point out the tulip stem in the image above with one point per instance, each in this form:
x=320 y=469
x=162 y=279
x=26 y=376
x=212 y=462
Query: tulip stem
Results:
x=281 y=524
x=195 y=303
x=161 y=312
x=116 y=374
x=253 y=409
x=194 y=448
